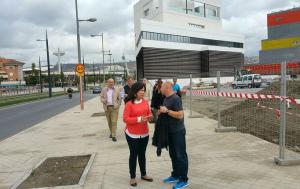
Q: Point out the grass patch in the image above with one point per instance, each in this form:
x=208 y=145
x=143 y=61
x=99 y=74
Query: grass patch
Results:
x=12 y=100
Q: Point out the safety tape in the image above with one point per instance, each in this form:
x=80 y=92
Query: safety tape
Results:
x=277 y=111
x=241 y=95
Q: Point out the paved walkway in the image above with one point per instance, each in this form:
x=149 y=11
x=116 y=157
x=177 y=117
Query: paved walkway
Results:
x=217 y=161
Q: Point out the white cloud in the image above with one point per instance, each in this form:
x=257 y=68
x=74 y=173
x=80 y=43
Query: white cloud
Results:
x=250 y=19
x=29 y=19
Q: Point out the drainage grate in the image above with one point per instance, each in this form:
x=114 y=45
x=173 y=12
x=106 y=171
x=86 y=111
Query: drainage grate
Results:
x=58 y=171
x=98 y=114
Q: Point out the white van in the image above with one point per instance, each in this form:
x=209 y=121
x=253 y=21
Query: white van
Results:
x=249 y=80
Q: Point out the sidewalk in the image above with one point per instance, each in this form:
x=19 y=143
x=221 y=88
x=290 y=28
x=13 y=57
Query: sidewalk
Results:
x=217 y=161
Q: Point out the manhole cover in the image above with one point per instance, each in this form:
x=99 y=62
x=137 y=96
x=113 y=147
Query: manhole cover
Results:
x=58 y=171
x=98 y=114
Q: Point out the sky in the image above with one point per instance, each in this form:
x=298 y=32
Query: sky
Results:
x=22 y=22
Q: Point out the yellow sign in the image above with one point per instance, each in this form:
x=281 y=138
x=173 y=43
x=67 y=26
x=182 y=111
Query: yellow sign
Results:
x=79 y=69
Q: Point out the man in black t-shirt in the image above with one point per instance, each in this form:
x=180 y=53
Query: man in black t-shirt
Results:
x=172 y=106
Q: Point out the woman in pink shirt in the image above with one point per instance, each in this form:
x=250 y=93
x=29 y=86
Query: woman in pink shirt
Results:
x=136 y=115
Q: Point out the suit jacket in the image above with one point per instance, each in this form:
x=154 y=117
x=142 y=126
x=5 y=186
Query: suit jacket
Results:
x=117 y=99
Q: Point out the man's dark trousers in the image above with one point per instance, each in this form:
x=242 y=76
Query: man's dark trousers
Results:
x=177 y=151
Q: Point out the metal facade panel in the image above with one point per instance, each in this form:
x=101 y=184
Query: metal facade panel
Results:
x=280 y=43
x=167 y=63
x=284 y=31
x=279 y=55
x=226 y=62
x=285 y=17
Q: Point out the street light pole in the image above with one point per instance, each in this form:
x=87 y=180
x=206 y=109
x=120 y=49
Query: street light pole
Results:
x=41 y=85
x=79 y=51
x=79 y=57
x=103 y=59
x=84 y=78
x=103 y=53
x=109 y=61
x=94 y=73
x=48 y=65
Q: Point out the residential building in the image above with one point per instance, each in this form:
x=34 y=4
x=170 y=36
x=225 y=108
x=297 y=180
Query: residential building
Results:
x=11 y=70
x=175 y=38
x=283 y=43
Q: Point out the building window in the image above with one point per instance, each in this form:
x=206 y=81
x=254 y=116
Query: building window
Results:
x=194 y=7
x=146 y=12
x=212 y=11
x=11 y=67
x=191 y=40
x=199 y=8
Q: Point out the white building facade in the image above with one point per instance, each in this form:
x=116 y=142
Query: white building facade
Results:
x=175 y=37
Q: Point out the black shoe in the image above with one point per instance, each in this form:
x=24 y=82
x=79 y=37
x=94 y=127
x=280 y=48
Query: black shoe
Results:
x=110 y=136
x=149 y=179
x=114 y=139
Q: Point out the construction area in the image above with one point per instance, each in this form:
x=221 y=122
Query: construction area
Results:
x=257 y=116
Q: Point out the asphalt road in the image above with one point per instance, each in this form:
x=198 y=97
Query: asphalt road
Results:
x=20 y=117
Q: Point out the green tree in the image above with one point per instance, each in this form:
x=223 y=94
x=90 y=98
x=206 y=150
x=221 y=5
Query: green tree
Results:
x=1 y=79
x=34 y=72
x=62 y=78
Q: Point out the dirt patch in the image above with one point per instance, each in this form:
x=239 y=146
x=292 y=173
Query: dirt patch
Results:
x=57 y=171
x=208 y=105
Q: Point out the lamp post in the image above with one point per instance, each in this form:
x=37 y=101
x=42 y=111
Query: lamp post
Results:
x=48 y=65
x=109 y=54
x=79 y=51
x=40 y=74
x=94 y=73
x=101 y=35
x=84 y=78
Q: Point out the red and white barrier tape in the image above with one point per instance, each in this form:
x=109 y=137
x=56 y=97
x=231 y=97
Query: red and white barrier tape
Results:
x=277 y=111
x=242 y=95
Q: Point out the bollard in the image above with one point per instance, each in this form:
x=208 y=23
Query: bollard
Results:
x=218 y=99
x=191 y=77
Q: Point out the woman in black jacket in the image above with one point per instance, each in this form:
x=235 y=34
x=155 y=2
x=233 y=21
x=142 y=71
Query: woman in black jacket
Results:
x=157 y=99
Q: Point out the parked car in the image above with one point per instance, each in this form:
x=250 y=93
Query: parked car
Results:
x=97 y=90
x=250 y=81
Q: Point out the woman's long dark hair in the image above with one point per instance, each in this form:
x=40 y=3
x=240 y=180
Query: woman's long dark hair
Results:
x=135 y=88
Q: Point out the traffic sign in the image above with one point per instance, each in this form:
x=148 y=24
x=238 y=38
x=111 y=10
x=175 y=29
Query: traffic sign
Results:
x=79 y=69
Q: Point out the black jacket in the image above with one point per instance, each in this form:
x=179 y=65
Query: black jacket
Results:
x=160 y=136
x=126 y=91
x=157 y=99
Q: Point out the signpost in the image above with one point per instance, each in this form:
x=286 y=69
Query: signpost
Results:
x=79 y=69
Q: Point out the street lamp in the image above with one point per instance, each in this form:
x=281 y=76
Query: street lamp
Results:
x=48 y=64
x=40 y=75
x=79 y=50
x=101 y=35
x=109 y=54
